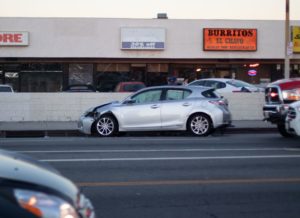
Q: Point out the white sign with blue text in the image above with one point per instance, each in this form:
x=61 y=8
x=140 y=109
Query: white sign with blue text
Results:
x=143 y=38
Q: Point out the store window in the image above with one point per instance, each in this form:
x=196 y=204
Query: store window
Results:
x=186 y=73
x=1 y=74
x=37 y=77
x=80 y=74
x=157 y=74
x=108 y=76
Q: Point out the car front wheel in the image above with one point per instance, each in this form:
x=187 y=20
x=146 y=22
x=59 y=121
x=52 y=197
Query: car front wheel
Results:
x=200 y=125
x=106 y=126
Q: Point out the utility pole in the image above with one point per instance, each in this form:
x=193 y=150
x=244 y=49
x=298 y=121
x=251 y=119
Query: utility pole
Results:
x=287 y=40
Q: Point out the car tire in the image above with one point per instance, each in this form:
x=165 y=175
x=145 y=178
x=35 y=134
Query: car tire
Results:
x=106 y=126
x=282 y=130
x=199 y=125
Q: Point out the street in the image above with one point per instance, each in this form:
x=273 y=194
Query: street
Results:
x=230 y=175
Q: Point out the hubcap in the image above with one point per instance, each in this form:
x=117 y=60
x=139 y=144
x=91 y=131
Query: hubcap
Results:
x=105 y=126
x=199 y=125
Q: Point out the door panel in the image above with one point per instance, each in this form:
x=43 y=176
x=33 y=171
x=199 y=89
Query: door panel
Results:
x=140 y=116
x=175 y=109
x=144 y=113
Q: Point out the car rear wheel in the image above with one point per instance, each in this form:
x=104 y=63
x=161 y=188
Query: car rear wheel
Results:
x=200 y=125
x=106 y=126
x=282 y=130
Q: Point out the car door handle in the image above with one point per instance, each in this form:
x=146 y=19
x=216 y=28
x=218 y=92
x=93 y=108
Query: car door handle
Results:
x=186 y=104
x=154 y=106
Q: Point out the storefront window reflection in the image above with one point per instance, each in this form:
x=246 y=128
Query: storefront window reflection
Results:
x=1 y=74
x=39 y=77
x=80 y=74
x=109 y=75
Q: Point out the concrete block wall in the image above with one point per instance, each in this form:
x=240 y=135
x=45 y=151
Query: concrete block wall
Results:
x=69 y=106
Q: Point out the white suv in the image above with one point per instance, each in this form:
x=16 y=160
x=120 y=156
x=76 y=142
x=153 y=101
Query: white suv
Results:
x=292 y=121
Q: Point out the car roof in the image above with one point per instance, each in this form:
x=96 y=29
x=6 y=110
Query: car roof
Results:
x=285 y=84
x=218 y=79
x=80 y=87
x=131 y=82
x=193 y=87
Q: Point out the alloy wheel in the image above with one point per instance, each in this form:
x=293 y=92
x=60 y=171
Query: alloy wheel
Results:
x=106 y=126
x=200 y=125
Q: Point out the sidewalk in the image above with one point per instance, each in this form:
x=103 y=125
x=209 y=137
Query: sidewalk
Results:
x=56 y=128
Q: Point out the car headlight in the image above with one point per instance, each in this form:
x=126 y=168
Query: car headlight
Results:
x=293 y=95
x=44 y=205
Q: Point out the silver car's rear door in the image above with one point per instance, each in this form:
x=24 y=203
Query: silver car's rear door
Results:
x=175 y=108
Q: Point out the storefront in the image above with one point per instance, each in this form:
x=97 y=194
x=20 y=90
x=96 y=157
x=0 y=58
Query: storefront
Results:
x=48 y=54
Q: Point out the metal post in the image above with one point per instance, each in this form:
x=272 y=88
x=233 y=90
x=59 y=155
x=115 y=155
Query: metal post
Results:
x=287 y=40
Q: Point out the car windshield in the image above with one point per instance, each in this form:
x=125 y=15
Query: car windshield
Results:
x=239 y=83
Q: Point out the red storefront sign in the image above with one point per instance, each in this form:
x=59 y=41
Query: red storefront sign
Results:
x=14 y=38
x=221 y=39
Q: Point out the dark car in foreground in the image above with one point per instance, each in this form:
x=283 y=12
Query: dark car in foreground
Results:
x=162 y=108
x=31 y=189
x=278 y=96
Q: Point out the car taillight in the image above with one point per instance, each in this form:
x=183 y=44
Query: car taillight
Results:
x=273 y=94
x=219 y=102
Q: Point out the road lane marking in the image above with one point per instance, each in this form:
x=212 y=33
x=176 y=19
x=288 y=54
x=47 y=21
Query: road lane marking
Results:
x=160 y=150
x=170 y=158
x=189 y=182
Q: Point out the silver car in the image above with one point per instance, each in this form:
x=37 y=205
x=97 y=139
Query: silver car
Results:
x=196 y=109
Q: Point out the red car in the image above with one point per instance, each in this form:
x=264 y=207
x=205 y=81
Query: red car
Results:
x=132 y=86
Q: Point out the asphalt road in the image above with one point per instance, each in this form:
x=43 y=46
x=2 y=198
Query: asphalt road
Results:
x=239 y=175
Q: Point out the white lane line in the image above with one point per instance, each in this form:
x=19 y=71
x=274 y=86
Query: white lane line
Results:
x=159 y=150
x=171 y=158
x=36 y=140
x=175 y=139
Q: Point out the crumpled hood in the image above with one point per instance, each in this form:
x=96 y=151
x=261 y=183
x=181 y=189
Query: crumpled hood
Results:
x=114 y=103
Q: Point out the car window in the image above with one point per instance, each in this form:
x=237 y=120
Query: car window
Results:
x=148 y=96
x=238 y=83
x=198 y=83
x=210 y=94
x=177 y=94
x=221 y=85
x=211 y=83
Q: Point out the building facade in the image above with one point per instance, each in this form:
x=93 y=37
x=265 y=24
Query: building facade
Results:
x=48 y=54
